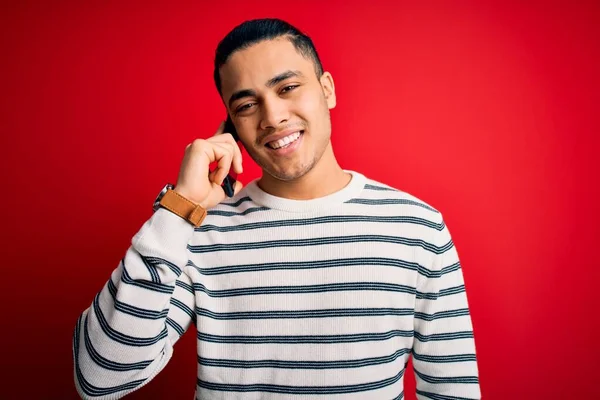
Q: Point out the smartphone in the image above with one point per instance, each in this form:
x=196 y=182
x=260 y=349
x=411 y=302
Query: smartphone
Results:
x=229 y=181
x=229 y=128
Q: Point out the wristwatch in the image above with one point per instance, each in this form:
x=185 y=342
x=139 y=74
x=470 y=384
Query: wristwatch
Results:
x=177 y=204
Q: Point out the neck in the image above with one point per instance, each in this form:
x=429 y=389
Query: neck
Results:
x=326 y=177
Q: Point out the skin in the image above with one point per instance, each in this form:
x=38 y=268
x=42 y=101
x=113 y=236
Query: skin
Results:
x=298 y=100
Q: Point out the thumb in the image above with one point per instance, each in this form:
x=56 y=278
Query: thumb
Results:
x=237 y=186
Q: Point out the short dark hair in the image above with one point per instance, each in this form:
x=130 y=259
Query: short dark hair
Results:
x=254 y=31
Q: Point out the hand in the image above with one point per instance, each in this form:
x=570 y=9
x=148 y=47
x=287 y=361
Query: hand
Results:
x=195 y=182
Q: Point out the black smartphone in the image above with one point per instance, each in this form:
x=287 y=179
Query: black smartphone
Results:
x=229 y=128
x=229 y=181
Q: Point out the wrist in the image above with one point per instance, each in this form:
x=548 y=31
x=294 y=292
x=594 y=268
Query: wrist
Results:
x=187 y=195
x=181 y=205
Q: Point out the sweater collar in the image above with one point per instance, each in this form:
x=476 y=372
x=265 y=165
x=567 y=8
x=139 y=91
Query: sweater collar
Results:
x=350 y=191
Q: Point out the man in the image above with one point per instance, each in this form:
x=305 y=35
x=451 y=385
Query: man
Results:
x=311 y=283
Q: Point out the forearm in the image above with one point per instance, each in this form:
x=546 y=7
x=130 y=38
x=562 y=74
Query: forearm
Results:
x=126 y=336
x=444 y=356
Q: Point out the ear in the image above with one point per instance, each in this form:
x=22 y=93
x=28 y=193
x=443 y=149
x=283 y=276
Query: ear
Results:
x=328 y=89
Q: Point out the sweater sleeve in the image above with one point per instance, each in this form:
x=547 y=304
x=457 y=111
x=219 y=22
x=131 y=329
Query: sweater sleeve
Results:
x=126 y=336
x=444 y=357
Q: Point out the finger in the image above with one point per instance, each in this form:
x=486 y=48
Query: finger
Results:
x=237 y=158
x=237 y=152
x=222 y=138
x=237 y=186
x=224 y=159
x=214 y=151
x=226 y=146
x=211 y=175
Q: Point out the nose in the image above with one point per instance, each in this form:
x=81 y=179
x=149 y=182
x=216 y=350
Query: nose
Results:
x=274 y=113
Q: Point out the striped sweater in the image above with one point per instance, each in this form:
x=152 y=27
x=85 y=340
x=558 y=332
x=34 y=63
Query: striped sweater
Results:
x=313 y=299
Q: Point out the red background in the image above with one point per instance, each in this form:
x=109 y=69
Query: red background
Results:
x=487 y=111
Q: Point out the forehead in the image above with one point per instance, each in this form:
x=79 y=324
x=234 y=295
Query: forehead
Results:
x=251 y=68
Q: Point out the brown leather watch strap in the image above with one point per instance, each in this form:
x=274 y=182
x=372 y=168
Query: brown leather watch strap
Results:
x=186 y=209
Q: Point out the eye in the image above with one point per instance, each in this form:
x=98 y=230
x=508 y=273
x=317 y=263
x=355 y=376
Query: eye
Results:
x=244 y=107
x=288 y=88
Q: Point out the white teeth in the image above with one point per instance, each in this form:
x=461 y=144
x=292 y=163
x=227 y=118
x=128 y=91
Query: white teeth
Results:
x=285 y=141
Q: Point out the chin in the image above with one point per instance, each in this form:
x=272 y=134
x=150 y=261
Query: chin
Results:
x=290 y=174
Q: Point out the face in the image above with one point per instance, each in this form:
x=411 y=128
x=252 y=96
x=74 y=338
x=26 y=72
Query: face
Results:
x=279 y=107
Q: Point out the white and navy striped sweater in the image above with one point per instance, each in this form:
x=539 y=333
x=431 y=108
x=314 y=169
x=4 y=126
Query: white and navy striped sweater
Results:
x=318 y=299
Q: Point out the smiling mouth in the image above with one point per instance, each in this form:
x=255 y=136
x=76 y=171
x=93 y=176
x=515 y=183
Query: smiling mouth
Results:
x=285 y=141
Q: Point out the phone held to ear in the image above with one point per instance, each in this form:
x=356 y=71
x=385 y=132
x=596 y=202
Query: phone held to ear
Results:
x=229 y=180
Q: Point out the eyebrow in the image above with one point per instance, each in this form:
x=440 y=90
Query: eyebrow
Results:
x=270 y=83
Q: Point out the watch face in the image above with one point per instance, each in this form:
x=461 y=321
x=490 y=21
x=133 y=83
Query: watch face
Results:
x=156 y=204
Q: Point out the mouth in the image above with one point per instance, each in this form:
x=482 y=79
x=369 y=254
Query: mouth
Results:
x=286 y=141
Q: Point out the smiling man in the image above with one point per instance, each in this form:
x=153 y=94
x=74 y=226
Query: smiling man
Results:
x=312 y=282
x=279 y=100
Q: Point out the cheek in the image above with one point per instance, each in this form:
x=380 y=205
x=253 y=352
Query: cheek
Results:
x=247 y=131
x=311 y=106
